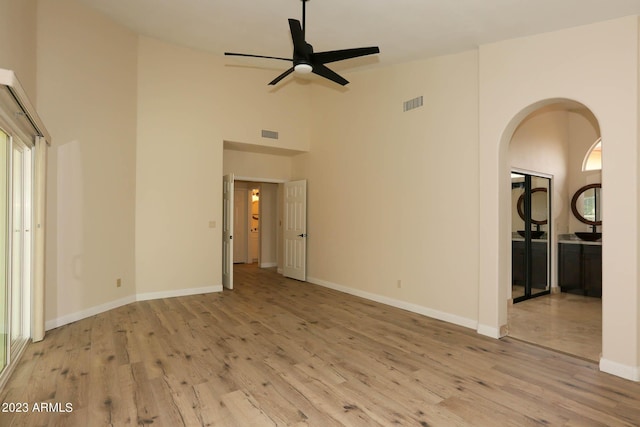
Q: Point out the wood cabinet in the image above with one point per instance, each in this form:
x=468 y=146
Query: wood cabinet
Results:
x=538 y=263
x=580 y=268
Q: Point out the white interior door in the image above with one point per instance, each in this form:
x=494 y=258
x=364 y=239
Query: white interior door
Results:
x=295 y=230
x=227 y=231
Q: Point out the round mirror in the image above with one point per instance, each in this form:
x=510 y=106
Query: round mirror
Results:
x=586 y=204
x=538 y=206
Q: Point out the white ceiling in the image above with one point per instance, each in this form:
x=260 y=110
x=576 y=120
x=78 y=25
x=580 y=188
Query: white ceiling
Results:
x=404 y=30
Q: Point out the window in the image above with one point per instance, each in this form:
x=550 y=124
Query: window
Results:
x=593 y=159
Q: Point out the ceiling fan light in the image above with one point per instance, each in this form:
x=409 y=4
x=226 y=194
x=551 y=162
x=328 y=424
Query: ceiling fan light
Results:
x=303 y=68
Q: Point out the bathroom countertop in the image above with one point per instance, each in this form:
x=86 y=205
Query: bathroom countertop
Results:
x=575 y=240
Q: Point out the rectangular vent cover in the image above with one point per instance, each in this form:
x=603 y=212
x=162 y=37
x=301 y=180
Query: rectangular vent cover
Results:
x=269 y=134
x=412 y=103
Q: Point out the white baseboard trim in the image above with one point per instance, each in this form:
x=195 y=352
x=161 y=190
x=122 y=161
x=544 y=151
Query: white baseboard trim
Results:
x=280 y=270
x=92 y=311
x=489 y=331
x=178 y=293
x=414 y=308
x=268 y=264
x=624 y=371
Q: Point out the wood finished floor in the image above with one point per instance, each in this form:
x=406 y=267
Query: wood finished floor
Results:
x=280 y=352
x=563 y=322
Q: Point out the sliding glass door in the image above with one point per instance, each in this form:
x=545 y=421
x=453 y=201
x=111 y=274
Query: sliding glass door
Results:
x=4 y=245
x=15 y=263
x=531 y=230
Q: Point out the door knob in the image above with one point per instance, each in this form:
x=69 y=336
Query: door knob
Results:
x=302 y=235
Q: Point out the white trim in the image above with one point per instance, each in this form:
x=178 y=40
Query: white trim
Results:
x=268 y=264
x=618 y=369
x=489 y=331
x=178 y=293
x=260 y=180
x=92 y=311
x=530 y=172
x=414 y=308
x=8 y=78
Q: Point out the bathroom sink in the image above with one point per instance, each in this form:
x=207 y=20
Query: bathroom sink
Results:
x=535 y=234
x=588 y=235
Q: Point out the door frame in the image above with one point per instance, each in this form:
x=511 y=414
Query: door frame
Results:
x=551 y=237
x=227 y=230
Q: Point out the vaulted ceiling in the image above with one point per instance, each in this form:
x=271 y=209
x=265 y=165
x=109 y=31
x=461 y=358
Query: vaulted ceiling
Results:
x=405 y=30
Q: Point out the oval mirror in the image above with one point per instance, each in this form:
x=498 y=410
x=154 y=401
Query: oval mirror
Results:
x=586 y=204
x=538 y=206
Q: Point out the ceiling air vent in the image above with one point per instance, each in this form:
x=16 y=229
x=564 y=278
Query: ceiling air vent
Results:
x=269 y=134
x=412 y=103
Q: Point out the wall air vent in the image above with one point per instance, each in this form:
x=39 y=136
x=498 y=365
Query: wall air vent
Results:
x=269 y=134
x=412 y=103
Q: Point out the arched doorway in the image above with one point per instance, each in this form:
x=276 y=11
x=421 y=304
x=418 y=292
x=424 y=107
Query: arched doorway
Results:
x=550 y=144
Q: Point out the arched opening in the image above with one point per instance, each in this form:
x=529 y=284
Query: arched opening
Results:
x=553 y=141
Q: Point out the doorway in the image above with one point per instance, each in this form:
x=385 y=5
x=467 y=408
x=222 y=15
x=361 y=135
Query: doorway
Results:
x=247 y=248
x=251 y=224
x=555 y=139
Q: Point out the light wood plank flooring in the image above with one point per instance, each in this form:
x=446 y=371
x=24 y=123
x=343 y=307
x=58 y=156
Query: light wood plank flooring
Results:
x=280 y=352
x=562 y=322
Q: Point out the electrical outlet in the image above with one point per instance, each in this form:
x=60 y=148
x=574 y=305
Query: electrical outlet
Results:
x=399 y=284
x=118 y=283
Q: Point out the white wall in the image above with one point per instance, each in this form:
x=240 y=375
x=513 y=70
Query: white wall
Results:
x=596 y=65
x=87 y=98
x=393 y=196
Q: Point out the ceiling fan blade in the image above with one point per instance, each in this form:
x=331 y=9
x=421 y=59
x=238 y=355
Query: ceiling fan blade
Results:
x=339 y=55
x=325 y=72
x=297 y=35
x=257 y=56
x=281 y=76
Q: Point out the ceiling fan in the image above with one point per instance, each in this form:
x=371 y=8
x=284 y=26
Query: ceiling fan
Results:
x=305 y=60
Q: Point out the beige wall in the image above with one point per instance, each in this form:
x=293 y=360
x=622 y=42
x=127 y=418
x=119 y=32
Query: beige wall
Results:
x=179 y=169
x=189 y=102
x=87 y=98
x=257 y=165
x=541 y=144
x=584 y=134
x=596 y=65
x=18 y=42
x=269 y=238
x=393 y=196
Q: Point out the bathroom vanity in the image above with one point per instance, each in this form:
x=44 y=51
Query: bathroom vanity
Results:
x=579 y=266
